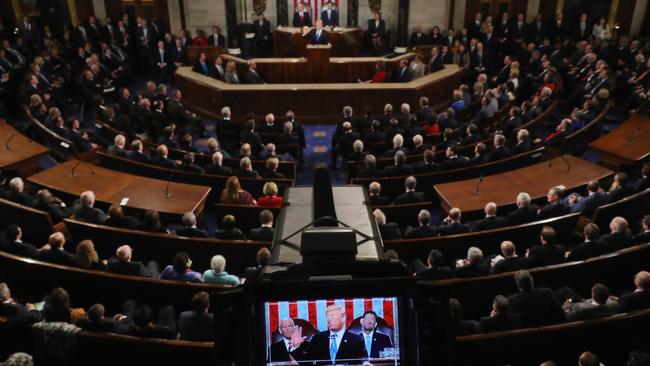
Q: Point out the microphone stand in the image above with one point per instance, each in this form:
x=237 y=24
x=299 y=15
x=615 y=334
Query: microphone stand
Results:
x=169 y=180
x=568 y=166
x=477 y=191
x=73 y=172
x=7 y=147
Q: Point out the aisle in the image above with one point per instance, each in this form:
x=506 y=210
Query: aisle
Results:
x=317 y=151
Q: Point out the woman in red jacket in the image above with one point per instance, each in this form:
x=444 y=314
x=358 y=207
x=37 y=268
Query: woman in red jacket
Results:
x=270 y=198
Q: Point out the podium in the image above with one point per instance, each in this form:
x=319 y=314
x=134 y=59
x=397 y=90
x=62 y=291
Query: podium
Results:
x=318 y=61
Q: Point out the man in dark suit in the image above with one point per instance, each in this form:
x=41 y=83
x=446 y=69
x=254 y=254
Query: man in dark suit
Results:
x=15 y=245
x=54 y=252
x=644 y=182
x=246 y=169
x=189 y=228
x=500 y=151
x=404 y=74
x=86 y=211
x=548 y=252
x=216 y=167
x=452 y=224
x=436 y=269
x=453 y=161
x=640 y=298
x=491 y=220
x=161 y=158
x=265 y=232
x=596 y=307
x=118 y=147
x=249 y=136
x=588 y=248
x=336 y=343
x=216 y=38
x=17 y=193
x=188 y=164
x=279 y=351
x=473 y=265
x=388 y=231
x=373 y=340
x=317 y=35
x=137 y=153
x=619 y=238
x=374 y=195
x=587 y=205
x=400 y=168
x=620 y=188
x=197 y=324
x=370 y=169
x=536 y=306
x=218 y=72
x=122 y=264
x=95 y=321
x=162 y=61
x=508 y=260
x=251 y=76
x=287 y=137
x=583 y=29
x=425 y=229
x=524 y=143
x=436 y=62
x=301 y=17
x=15 y=313
x=428 y=164
x=643 y=236
x=555 y=206
x=45 y=201
x=418 y=37
x=330 y=16
x=499 y=318
x=525 y=212
x=410 y=196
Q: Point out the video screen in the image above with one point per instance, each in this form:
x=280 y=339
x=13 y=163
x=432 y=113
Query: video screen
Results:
x=358 y=331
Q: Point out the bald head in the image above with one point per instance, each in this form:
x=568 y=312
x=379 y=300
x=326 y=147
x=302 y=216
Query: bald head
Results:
x=490 y=209
x=56 y=240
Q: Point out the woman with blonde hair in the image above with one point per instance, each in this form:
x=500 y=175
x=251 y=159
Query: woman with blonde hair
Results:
x=86 y=257
x=270 y=198
x=235 y=195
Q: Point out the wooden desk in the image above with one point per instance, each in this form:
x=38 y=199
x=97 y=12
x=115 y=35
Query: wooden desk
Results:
x=289 y=42
x=627 y=144
x=112 y=186
x=313 y=103
x=19 y=152
x=503 y=188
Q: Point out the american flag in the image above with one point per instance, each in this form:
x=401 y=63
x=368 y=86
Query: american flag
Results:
x=314 y=311
x=316 y=6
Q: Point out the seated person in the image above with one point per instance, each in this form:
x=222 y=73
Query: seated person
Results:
x=499 y=319
x=270 y=198
x=228 y=229
x=410 y=195
x=188 y=164
x=217 y=167
x=85 y=210
x=370 y=169
x=452 y=224
x=169 y=138
x=189 y=227
x=246 y=169
x=151 y=222
x=265 y=232
x=374 y=195
x=425 y=229
x=644 y=236
x=181 y=270
x=459 y=326
x=535 y=306
x=388 y=231
x=525 y=212
x=595 y=198
x=15 y=244
x=117 y=218
x=17 y=192
x=473 y=265
x=589 y=247
x=271 y=169
x=599 y=306
x=122 y=264
x=162 y=160
x=500 y=151
x=87 y=258
x=57 y=306
x=137 y=152
x=555 y=206
x=491 y=220
x=380 y=75
x=233 y=194
x=140 y=321
x=640 y=297
x=453 y=161
x=524 y=144
x=481 y=155
x=197 y=324
x=54 y=252
x=435 y=268
x=95 y=321
x=620 y=188
x=428 y=164
x=399 y=168
x=14 y=312
x=508 y=260
x=118 y=147
x=251 y=76
x=548 y=252
x=57 y=209
x=620 y=236
x=357 y=151
x=217 y=274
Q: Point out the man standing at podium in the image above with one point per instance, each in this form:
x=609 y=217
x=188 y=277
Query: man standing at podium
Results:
x=330 y=16
x=301 y=18
x=317 y=35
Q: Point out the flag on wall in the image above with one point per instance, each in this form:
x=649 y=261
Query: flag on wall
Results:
x=316 y=6
x=313 y=311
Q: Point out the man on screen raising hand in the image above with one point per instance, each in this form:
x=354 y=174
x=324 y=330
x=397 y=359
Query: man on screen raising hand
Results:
x=334 y=344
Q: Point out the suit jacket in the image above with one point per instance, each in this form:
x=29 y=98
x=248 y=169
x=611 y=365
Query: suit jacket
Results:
x=23 y=249
x=553 y=210
x=191 y=232
x=57 y=256
x=472 y=270
x=641 y=185
x=614 y=241
x=129 y=268
x=107 y=325
x=523 y=215
x=220 y=40
x=398 y=170
x=635 y=300
x=390 y=231
x=323 y=39
x=587 y=205
x=251 y=77
x=378 y=200
x=537 y=307
x=372 y=28
x=523 y=147
x=424 y=231
x=298 y=23
x=547 y=254
x=641 y=238
x=318 y=349
x=138 y=156
x=262 y=233
x=418 y=39
x=404 y=76
x=509 y=265
x=218 y=170
x=379 y=342
x=332 y=20
x=499 y=322
x=489 y=223
x=452 y=229
x=590 y=310
x=410 y=197
x=370 y=173
x=195 y=326
x=164 y=162
x=90 y=214
x=454 y=163
x=278 y=352
x=435 y=273
x=18 y=314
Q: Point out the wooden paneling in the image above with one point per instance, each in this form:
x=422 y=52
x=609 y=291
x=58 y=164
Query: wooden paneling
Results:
x=84 y=10
x=548 y=8
x=161 y=12
x=624 y=16
x=113 y=9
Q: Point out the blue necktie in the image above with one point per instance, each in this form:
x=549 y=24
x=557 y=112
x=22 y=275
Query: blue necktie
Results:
x=368 y=344
x=333 y=348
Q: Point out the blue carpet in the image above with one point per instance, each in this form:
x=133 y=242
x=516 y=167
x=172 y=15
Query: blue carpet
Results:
x=318 y=139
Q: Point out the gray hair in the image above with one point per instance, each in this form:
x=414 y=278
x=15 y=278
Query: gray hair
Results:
x=370 y=161
x=225 y=111
x=380 y=217
x=347 y=110
x=5 y=293
x=189 y=219
x=398 y=140
x=218 y=263
x=87 y=198
x=287 y=127
x=400 y=157
x=474 y=254
x=523 y=198
x=424 y=216
x=524 y=280
x=245 y=162
x=357 y=146
x=417 y=140
x=523 y=134
x=16 y=184
x=217 y=158
x=119 y=140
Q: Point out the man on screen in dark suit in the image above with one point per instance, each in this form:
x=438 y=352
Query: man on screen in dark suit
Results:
x=279 y=351
x=317 y=35
x=334 y=344
x=330 y=16
x=374 y=341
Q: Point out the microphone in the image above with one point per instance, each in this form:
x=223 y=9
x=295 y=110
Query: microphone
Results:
x=7 y=147
x=73 y=172
x=568 y=166
x=477 y=192
x=169 y=180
